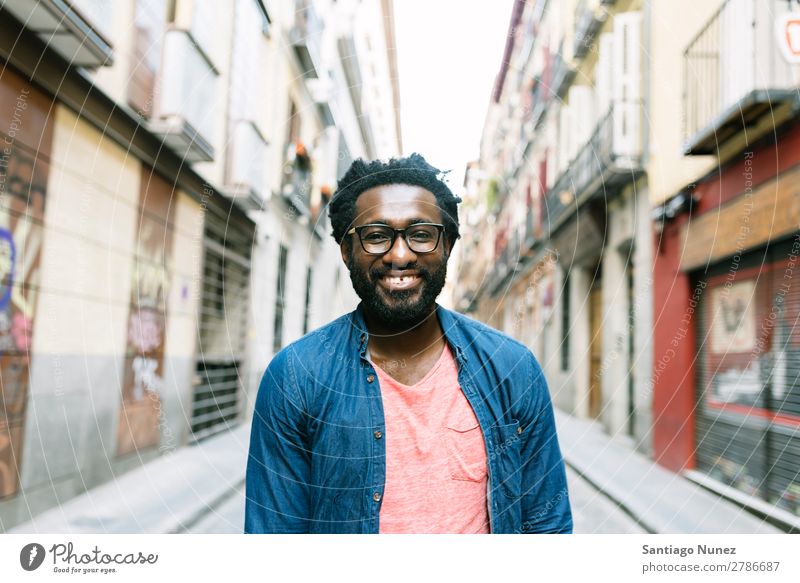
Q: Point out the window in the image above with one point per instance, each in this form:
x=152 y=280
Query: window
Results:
x=149 y=22
x=277 y=340
x=204 y=29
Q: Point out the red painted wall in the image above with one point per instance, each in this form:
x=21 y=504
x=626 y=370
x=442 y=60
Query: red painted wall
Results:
x=673 y=354
x=673 y=378
x=767 y=162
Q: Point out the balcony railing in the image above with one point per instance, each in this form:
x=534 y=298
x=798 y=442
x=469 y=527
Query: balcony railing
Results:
x=610 y=159
x=540 y=100
x=297 y=190
x=188 y=96
x=563 y=75
x=506 y=265
x=735 y=74
x=589 y=19
x=296 y=183
x=531 y=236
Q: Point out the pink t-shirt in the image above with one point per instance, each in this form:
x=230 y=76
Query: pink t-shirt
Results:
x=435 y=456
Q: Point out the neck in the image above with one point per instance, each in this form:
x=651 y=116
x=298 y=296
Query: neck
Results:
x=404 y=341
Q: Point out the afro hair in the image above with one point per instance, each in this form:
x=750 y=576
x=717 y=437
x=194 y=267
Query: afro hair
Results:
x=413 y=170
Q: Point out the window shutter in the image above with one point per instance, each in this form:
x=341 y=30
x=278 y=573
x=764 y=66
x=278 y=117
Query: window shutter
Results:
x=581 y=101
x=603 y=72
x=552 y=156
x=627 y=83
x=564 y=138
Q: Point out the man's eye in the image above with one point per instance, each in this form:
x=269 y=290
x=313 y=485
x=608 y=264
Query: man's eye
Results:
x=375 y=237
x=421 y=236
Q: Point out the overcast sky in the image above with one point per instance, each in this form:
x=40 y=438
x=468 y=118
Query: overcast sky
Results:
x=448 y=54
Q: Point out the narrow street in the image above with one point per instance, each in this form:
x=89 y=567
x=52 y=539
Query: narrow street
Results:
x=594 y=513
x=228 y=518
x=200 y=489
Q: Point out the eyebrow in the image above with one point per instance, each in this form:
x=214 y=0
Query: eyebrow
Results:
x=413 y=221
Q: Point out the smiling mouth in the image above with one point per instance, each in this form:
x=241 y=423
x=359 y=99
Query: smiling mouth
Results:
x=397 y=283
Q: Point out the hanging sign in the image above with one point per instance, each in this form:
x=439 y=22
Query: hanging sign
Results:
x=787 y=33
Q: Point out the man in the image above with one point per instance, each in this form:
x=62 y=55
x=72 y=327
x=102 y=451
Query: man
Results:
x=403 y=417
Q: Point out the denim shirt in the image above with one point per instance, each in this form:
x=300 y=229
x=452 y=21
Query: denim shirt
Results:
x=317 y=460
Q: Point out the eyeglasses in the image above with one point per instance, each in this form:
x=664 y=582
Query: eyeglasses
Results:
x=378 y=239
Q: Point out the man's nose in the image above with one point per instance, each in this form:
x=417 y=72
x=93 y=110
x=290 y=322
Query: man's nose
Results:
x=400 y=255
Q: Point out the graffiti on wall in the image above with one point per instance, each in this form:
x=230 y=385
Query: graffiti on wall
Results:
x=141 y=412
x=25 y=142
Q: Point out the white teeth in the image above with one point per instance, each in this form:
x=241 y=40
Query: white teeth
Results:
x=399 y=280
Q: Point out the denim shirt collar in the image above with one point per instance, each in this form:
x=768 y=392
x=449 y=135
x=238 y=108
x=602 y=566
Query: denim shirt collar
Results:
x=447 y=319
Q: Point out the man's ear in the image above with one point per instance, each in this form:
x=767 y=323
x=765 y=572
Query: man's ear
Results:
x=448 y=248
x=346 y=252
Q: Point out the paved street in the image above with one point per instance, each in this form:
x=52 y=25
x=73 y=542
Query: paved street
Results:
x=200 y=489
x=593 y=513
x=228 y=518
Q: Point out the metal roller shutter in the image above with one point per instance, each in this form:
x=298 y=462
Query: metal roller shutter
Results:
x=748 y=372
x=223 y=323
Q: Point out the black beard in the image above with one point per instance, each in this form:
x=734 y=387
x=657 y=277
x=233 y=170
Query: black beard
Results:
x=405 y=313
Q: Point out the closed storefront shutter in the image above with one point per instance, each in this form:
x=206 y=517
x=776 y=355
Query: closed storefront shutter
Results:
x=748 y=348
x=223 y=323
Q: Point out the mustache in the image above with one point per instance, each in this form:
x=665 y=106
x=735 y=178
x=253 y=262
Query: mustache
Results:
x=379 y=272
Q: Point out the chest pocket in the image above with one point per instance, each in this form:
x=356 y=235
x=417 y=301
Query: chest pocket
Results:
x=466 y=452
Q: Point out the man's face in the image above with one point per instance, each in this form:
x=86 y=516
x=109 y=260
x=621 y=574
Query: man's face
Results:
x=400 y=287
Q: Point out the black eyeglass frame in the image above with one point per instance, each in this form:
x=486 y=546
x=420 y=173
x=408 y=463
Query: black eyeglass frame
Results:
x=357 y=230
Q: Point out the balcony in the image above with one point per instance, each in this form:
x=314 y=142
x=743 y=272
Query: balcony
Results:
x=736 y=75
x=533 y=232
x=186 y=112
x=506 y=266
x=246 y=182
x=304 y=38
x=540 y=100
x=589 y=19
x=296 y=188
x=63 y=29
x=563 y=75
x=609 y=160
x=296 y=191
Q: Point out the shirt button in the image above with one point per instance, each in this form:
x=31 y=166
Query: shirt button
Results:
x=376 y=496
x=370 y=378
x=519 y=430
x=378 y=435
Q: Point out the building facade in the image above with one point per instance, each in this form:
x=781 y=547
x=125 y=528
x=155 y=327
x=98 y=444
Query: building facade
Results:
x=725 y=381
x=164 y=172
x=633 y=223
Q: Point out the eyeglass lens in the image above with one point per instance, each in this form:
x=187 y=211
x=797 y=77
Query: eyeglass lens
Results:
x=379 y=239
